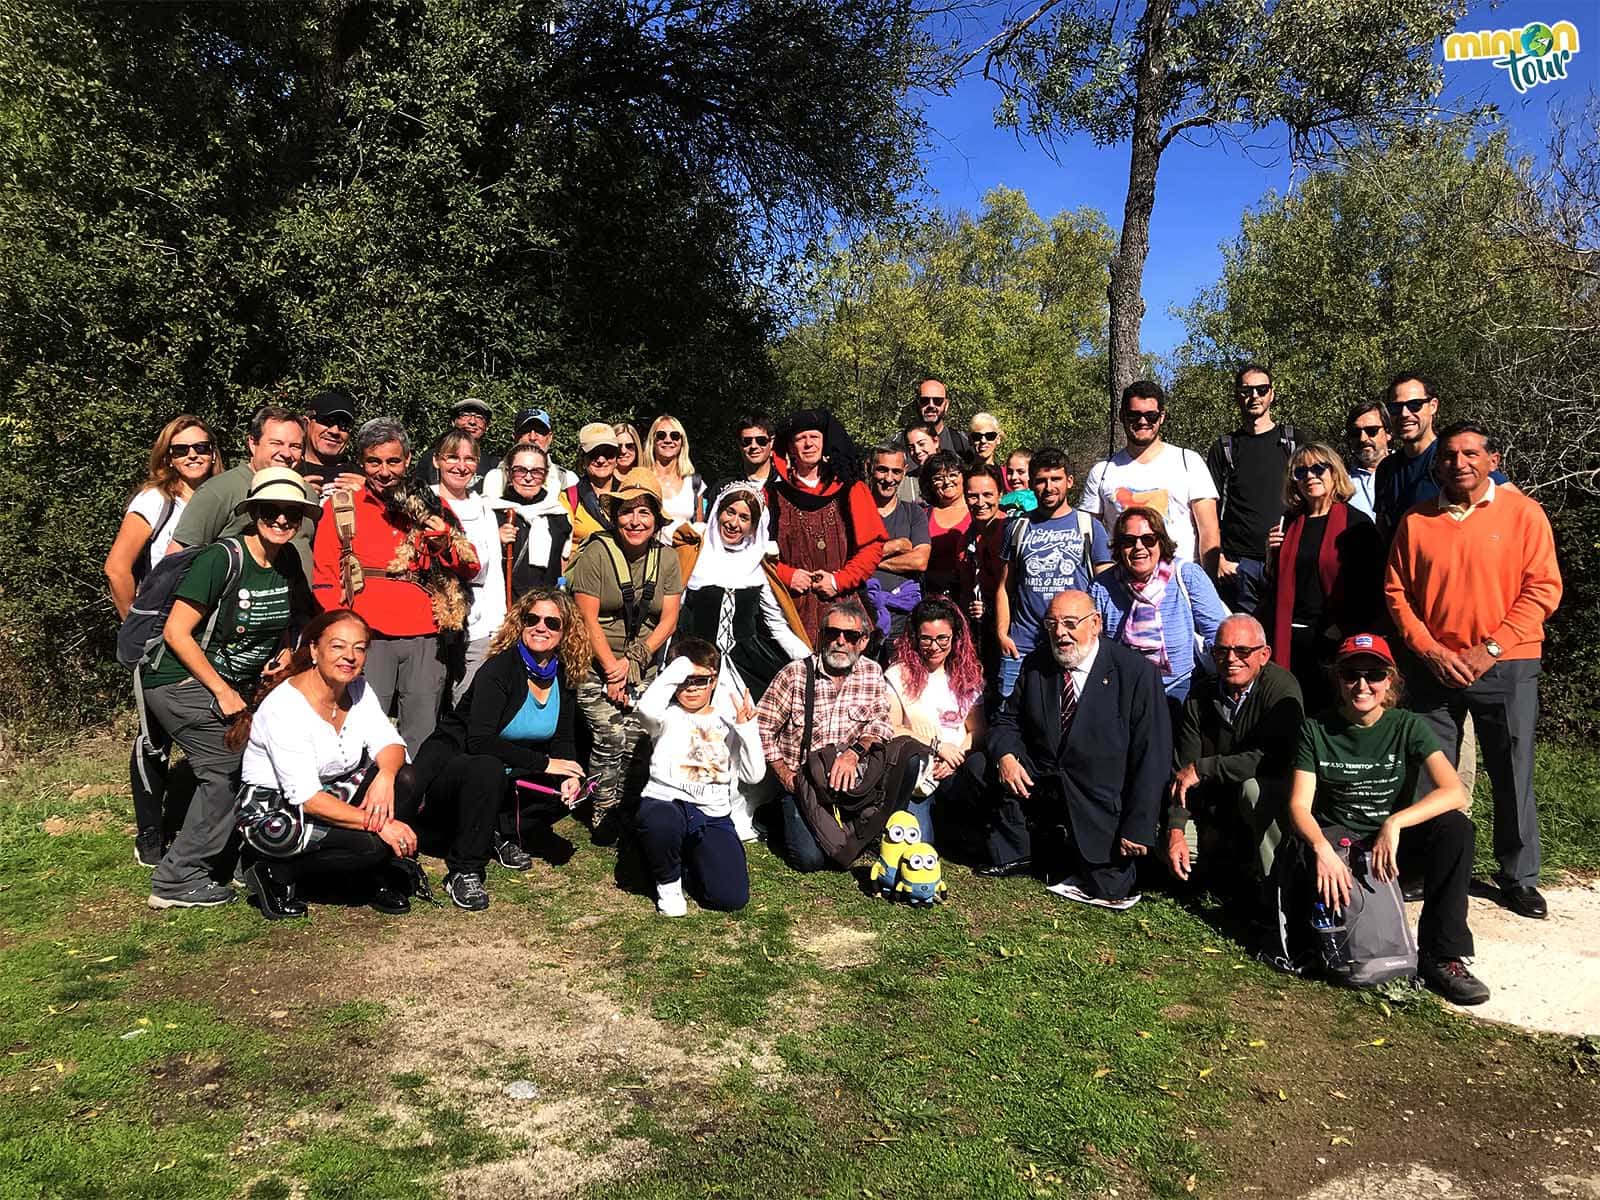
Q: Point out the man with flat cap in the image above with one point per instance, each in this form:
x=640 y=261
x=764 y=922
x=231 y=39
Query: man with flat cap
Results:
x=471 y=416
x=1083 y=747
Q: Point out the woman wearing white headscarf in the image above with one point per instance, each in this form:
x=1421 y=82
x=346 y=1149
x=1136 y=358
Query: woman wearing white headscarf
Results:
x=729 y=600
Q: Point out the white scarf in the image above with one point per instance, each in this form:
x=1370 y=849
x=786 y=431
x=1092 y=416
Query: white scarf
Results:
x=547 y=505
x=737 y=566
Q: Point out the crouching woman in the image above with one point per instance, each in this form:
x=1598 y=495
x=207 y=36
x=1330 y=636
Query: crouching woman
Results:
x=322 y=790
x=1356 y=776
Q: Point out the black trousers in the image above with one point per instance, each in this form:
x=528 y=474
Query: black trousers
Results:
x=460 y=797
x=1443 y=849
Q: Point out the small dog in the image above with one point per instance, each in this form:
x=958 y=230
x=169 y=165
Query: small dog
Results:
x=410 y=505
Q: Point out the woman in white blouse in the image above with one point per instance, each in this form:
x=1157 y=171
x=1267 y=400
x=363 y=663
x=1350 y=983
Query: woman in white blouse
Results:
x=682 y=490
x=322 y=792
x=456 y=459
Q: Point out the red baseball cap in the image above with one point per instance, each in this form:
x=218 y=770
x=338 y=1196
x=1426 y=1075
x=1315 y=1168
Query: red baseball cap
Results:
x=1364 y=645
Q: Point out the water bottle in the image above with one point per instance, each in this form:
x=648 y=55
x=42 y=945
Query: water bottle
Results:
x=1331 y=939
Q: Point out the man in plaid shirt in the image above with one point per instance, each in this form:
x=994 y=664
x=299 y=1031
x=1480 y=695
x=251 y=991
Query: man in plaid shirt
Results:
x=850 y=709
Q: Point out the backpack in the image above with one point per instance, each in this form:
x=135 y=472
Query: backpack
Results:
x=1288 y=440
x=140 y=639
x=142 y=564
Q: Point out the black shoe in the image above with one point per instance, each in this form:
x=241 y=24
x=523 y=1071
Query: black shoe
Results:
x=1004 y=870
x=607 y=829
x=1525 y=901
x=511 y=856
x=276 y=901
x=147 y=848
x=1451 y=979
x=466 y=891
x=388 y=899
x=1412 y=890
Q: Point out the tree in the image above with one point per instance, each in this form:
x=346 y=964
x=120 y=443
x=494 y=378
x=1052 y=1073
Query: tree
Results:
x=1005 y=307
x=582 y=204
x=1206 y=71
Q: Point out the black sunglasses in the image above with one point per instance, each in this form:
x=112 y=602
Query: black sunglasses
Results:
x=927 y=400
x=986 y=437
x=1129 y=540
x=1373 y=675
x=1306 y=470
x=602 y=452
x=1129 y=417
x=273 y=513
x=1239 y=652
x=1414 y=406
x=1246 y=390
x=191 y=449
x=1370 y=431
x=553 y=624
x=668 y=435
x=337 y=421
x=832 y=633
x=754 y=441
x=698 y=681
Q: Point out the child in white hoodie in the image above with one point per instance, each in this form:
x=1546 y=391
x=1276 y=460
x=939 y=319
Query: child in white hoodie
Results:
x=706 y=743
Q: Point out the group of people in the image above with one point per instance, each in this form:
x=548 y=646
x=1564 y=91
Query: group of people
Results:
x=1201 y=662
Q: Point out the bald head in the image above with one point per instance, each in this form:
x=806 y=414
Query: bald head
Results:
x=1240 y=628
x=1073 y=626
x=1241 y=653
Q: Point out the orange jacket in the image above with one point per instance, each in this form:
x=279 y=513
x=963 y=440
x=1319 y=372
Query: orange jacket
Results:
x=1454 y=584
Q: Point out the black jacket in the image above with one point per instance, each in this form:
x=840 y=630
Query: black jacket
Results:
x=526 y=575
x=1261 y=742
x=497 y=692
x=1111 y=771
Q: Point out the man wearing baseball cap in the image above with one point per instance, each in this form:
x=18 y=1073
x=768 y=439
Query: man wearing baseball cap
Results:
x=330 y=417
x=533 y=428
x=1356 y=790
x=471 y=416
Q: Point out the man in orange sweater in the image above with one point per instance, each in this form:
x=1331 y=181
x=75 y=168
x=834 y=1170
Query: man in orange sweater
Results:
x=1472 y=578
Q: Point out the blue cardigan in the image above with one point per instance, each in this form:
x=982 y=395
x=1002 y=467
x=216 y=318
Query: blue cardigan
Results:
x=1179 y=621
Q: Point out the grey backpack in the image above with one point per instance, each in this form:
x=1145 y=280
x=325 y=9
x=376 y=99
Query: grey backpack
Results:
x=1371 y=942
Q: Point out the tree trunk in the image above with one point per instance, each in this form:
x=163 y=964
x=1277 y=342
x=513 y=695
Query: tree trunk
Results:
x=1127 y=274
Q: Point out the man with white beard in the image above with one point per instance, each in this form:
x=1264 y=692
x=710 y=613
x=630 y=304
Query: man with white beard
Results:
x=1083 y=748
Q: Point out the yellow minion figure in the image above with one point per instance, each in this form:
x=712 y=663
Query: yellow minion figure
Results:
x=920 y=879
x=903 y=830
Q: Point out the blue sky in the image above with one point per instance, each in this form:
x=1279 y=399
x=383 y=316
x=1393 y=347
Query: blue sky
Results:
x=1202 y=192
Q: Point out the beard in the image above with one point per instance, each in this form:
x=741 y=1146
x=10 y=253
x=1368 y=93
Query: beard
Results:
x=840 y=660
x=1069 y=656
x=1369 y=456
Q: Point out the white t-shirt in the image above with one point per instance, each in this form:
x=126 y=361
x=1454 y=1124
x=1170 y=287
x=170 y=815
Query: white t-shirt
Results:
x=148 y=504
x=294 y=749
x=937 y=705
x=1170 y=483
x=482 y=526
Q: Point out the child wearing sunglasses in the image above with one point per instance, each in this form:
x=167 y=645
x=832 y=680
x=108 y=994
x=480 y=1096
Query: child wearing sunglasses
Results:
x=706 y=744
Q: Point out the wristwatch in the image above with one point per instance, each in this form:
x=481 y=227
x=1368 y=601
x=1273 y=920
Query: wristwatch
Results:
x=1492 y=648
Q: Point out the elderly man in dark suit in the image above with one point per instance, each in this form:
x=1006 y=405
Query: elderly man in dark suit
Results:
x=1083 y=747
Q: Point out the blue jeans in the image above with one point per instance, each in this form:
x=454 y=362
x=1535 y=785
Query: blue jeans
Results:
x=1242 y=591
x=800 y=846
x=1010 y=672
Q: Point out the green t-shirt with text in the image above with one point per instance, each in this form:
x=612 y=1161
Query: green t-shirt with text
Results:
x=253 y=621
x=1364 y=773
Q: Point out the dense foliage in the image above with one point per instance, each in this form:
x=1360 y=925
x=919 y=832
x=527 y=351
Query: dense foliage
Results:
x=583 y=205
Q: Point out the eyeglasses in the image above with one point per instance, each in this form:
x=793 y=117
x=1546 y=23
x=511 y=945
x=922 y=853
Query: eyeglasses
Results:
x=602 y=452
x=747 y=442
x=273 y=514
x=1246 y=390
x=939 y=641
x=529 y=472
x=1373 y=675
x=1371 y=431
x=947 y=476
x=668 y=435
x=1412 y=406
x=832 y=633
x=1129 y=540
x=698 y=681
x=536 y=620
x=1306 y=470
x=979 y=436
x=189 y=450
x=1239 y=652
x=1069 y=624
x=1131 y=417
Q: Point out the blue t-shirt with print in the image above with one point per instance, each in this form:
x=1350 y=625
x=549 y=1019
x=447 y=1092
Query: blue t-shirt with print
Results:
x=1047 y=558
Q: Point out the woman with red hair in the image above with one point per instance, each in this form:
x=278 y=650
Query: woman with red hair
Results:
x=935 y=687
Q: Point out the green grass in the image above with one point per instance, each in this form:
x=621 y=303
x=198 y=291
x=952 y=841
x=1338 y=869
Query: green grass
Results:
x=1566 y=784
x=1004 y=1045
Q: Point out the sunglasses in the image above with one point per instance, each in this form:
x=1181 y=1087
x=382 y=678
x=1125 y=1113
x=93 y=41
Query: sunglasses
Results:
x=602 y=452
x=986 y=437
x=1412 y=406
x=927 y=400
x=667 y=435
x=272 y=514
x=698 y=681
x=1373 y=675
x=537 y=620
x=337 y=422
x=754 y=441
x=1306 y=470
x=1130 y=417
x=189 y=450
x=1239 y=652
x=1370 y=431
x=528 y=472
x=1129 y=540
x=832 y=633
x=1246 y=390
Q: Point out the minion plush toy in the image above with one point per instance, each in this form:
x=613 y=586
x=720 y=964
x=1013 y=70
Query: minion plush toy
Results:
x=920 y=879
x=903 y=830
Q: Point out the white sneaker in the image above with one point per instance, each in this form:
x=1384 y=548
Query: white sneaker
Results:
x=669 y=899
x=744 y=823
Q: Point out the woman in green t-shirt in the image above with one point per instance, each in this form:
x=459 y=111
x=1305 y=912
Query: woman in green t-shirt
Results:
x=1356 y=775
x=627 y=629
x=198 y=692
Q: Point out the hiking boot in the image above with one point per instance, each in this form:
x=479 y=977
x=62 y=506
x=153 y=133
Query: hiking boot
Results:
x=466 y=890
x=201 y=895
x=276 y=900
x=669 y=899
x=147 y=848
x=511 y=856
x=1451 y=979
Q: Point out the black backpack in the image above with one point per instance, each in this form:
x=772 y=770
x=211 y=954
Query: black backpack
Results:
x=140 y=640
